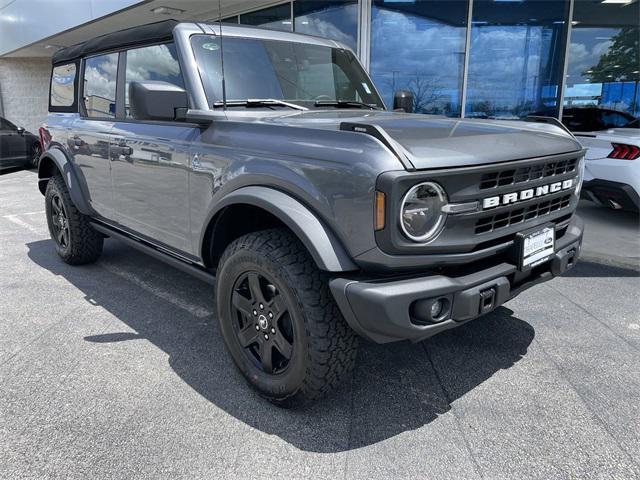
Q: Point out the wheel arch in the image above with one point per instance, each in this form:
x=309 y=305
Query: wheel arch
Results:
x=268 y=208
x=54 y=161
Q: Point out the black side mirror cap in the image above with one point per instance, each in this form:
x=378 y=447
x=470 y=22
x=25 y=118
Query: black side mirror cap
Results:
x=20 y=130
x=403 y=101
x=155 y=100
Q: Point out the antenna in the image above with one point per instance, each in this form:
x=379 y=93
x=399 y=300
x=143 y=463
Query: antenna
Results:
x=224 y=89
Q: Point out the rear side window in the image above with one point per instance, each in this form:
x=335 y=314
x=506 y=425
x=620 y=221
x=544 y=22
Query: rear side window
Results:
x=156 y=63
x=63 y=88
x=99 y=92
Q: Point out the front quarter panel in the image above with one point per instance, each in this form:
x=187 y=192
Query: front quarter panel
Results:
x=331 y=173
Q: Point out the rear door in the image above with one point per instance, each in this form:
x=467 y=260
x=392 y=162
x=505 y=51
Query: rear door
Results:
x=150 y=159
x=89 y=134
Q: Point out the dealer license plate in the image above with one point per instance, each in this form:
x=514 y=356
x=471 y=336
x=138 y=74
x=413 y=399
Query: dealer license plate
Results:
x=538 y=246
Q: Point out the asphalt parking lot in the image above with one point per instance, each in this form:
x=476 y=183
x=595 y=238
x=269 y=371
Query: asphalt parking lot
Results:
x=117 y=370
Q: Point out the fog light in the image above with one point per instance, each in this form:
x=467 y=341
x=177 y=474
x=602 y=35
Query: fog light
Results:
x=436 y=308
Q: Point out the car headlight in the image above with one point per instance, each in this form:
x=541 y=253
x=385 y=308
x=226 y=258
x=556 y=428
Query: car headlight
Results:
x=580 y=176
x=421 y=215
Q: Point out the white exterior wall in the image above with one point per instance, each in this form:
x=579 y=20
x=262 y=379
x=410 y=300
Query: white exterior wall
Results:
x=24 y=91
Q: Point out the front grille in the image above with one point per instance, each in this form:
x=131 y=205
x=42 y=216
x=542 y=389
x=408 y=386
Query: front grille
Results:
x=514 y=176
x=523 y=214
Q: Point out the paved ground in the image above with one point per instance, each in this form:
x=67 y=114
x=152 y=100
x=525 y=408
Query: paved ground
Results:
x=117 y=370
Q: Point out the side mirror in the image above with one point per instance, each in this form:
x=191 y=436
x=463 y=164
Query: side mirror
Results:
x=20 y=130
x=154 y=100
x=403 y=101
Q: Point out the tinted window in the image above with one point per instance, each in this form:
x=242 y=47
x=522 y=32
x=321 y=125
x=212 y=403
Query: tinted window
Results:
x=419 y=46
x=604 y=56
x=281 y=70
x=337 y=20
x=515 y=57
x=275 y=18
x=63 y=85
x=157 y=62
x=99 y=95
x=6 y=125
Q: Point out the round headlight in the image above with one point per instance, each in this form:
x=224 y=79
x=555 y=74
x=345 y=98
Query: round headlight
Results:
x=580 y=176
x=421 y=216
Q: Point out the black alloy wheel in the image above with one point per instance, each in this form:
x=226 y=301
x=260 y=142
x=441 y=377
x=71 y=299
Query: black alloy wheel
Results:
x=36 y=151
x=60 y=221
x=262 y=323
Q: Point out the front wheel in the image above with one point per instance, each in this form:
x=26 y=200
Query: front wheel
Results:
x=279 y=321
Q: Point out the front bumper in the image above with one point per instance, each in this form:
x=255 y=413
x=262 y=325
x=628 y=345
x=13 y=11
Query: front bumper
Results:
x=383 y=310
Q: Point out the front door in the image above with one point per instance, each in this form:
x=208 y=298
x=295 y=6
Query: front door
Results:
x=150 y=173
x=150 y=160
x=12 y=145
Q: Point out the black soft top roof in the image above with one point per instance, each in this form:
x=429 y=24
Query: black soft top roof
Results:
x=150 y=33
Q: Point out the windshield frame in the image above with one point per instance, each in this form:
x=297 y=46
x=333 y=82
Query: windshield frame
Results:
x=307 y=103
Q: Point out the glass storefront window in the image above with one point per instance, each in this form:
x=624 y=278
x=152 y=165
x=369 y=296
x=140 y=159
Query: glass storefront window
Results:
x=337 y=20
x=275 y=18
x=515 y=57
x=419 y=46
x=604 y=63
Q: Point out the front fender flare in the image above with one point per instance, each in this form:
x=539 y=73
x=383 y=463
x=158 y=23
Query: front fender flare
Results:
x=67 y=170
x=320 y=241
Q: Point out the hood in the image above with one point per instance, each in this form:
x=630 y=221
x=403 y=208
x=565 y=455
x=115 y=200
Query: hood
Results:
x=427 y=141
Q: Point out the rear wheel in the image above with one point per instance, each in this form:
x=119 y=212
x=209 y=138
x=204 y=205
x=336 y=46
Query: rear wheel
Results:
x=76 y=242
x=279 y=320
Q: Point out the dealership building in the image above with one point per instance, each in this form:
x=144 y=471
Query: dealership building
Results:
x=461 y=58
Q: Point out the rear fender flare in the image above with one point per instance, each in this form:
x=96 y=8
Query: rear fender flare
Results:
x=55 y=157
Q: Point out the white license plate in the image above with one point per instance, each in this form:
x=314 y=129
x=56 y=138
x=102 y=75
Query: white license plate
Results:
x=538 y=247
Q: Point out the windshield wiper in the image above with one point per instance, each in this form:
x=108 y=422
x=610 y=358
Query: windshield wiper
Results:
x=258 y=102
x=344 y=104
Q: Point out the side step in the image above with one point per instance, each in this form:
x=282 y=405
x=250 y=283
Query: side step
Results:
x=157 y=252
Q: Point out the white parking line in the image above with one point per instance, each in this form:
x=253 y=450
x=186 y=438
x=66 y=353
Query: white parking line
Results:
x=196 y=311
x=199 y=312
x=40 y=212
x=17 y=221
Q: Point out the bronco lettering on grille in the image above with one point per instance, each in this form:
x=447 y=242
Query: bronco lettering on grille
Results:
x=521 y=195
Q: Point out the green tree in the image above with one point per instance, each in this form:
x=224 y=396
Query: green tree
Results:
x=621 y=61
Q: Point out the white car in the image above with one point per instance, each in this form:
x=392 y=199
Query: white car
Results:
x=612 y=169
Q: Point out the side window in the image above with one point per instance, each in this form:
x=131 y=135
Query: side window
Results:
x=157 y=63
x=99 y=91
x=63 y=79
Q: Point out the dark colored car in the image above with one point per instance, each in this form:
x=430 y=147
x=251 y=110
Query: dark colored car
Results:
x=591 y=119
x=267 y=164
x=18 y=148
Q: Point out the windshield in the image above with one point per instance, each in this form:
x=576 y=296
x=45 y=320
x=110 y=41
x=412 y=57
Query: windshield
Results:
x=312 y=76
x=633 y=124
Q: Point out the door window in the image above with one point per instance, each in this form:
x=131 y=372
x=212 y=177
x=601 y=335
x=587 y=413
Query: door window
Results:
x=157 y=63
x=99 y=96
x=63 y=80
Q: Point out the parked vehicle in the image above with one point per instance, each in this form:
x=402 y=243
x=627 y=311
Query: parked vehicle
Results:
x=18 y=148
x=279 y=176
x=612 y=167
x=590 y=119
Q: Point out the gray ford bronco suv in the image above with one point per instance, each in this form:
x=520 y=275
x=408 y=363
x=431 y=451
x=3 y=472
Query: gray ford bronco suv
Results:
x=266 y=164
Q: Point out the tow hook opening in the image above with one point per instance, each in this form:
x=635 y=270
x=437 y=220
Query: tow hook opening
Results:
x=487 y=300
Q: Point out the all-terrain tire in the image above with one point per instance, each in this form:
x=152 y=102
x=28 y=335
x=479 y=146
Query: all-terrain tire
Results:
x=324 y=346
x=80 y=243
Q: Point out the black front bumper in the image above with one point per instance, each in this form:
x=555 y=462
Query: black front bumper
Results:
x=383 y=310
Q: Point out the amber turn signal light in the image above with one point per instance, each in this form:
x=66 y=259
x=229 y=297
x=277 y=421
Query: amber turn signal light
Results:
x=379 y=210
